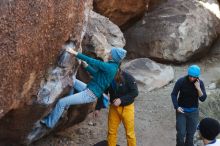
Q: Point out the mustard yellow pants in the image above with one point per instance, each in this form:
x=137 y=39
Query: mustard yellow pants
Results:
x=115 y=116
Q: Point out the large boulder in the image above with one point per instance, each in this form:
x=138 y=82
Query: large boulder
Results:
x=101 y=35
x=149 y=74
x=124 y=13
x=32 y=33
x=177 y=31
x=121 y=12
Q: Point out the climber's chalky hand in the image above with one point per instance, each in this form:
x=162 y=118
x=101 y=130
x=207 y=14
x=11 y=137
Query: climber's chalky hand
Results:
x=70 y=50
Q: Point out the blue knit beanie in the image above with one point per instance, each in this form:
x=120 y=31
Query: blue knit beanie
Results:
x=118 y=54
x=194 y=71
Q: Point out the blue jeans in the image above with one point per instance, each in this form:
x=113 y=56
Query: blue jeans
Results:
x=186 y=124
x=83 y=96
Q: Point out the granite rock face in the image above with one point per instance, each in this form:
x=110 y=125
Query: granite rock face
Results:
x=177 y=31
x=32 y=34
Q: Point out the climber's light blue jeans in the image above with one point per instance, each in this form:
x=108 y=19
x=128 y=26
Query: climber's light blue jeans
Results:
x=83 y=96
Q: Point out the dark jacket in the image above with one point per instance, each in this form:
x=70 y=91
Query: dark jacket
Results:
x=188 y=95
x=126 y=91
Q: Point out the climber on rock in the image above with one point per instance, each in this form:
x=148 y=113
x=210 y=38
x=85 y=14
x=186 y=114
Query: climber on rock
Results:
x=102 y=75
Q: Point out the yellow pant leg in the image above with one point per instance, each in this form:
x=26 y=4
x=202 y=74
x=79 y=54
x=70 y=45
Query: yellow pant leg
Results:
x=113 y=123
x=128 y=122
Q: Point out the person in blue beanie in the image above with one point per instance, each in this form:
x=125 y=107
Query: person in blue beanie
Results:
x=102 y=75
x=187 y=92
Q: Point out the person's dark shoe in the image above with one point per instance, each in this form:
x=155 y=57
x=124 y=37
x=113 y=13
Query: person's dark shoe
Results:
x=40 y=129
x=103 y=143
x=43 y=123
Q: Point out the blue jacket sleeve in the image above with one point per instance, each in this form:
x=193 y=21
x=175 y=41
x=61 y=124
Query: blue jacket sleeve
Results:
x=91 y=70
x=203 y=97
x=96 y=63
x=99 y=103
x=175 y=92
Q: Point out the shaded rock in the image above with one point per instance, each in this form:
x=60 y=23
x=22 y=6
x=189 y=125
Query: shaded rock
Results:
x=101 y=35
x=177 y=31
x=152 y=4
x=149 y=73
x=32 y=33
x=211 y=108
x=121 y=12
x=215 y=52
x=125 y=13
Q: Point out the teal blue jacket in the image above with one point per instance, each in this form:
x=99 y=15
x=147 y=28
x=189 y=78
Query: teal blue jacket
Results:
x=102 y=73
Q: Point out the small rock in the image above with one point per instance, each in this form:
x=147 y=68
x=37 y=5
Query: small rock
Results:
x=91 y=123
x=212 y=86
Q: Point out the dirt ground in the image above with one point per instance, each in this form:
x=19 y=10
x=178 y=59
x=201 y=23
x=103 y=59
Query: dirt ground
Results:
x=154 y=116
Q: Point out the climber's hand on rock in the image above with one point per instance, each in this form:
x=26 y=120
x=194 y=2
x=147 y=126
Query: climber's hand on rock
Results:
x=70 y=50
x=84 y=64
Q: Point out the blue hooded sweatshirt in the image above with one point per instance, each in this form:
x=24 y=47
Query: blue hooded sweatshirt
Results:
x=102 y=72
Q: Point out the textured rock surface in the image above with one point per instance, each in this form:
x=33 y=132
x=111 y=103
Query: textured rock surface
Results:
x=152 y=4
x=177 y=31
x=121 y=12
x=32 y=33
x=101 y=35
x=125 y=12
x=149 y=73
x=210 y=108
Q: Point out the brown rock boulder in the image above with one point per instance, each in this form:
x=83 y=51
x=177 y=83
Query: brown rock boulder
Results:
x=177 y=31
x=121 y=12
x=31 y=34
x=124 y=13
